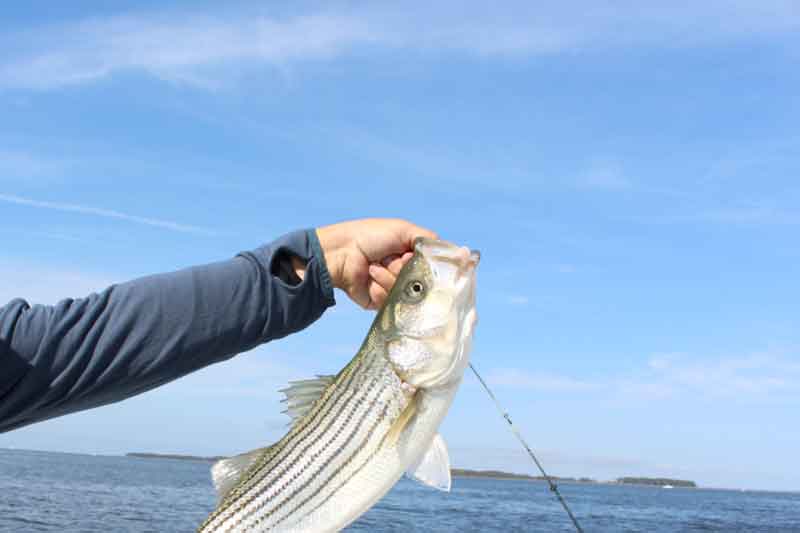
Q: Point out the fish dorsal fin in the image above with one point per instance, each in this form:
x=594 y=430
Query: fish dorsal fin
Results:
x=227 y=472
x=433 y=468
x=301 y=395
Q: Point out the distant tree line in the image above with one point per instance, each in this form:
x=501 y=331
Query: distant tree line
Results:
x=142 y=455
x=660 y=481
x=462 y=472
x=497 y=474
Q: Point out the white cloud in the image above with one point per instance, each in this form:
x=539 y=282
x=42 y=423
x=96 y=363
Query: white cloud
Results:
x=106 y=213
x=174 y=48
x=663 y=361
x=14 y=164
x=518 y=299
x=40 y=285
x=607 y=176
x=731 y=376
x=672 y=375
x=537 y=381
x=186 y=47
x=557 y=462
x=260 y=374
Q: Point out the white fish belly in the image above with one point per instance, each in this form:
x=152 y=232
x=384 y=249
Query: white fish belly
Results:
x=384 y=469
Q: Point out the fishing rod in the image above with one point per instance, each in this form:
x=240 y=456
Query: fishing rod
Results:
x=553 y=486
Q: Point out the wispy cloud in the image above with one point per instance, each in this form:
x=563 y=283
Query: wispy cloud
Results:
x=730 y=376
x=175 y=48
x=46 y=285
x=671 y=375
x=742 y=215
x=14 y=164
x=183 y=46
x=444 y=162
x=538 y=381
x=604 y=175
x=106 y=213
x=518 y=299
x=559 y=462
x=749 y=183
x=258 y=375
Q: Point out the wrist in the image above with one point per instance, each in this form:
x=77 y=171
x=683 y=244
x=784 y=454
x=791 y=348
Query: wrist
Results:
x=333 y=245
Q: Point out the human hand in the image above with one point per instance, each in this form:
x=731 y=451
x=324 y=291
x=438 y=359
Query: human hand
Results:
x=365 y=256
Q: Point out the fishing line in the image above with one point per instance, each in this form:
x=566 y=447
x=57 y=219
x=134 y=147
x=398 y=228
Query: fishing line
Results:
x=553 y=486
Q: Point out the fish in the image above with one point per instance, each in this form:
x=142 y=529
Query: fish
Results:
x=355 y=434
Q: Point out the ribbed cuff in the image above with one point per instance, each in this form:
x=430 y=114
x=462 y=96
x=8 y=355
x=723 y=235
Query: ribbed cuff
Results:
x=326 y=283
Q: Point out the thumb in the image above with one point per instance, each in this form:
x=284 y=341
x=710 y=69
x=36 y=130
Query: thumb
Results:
x=410 y=232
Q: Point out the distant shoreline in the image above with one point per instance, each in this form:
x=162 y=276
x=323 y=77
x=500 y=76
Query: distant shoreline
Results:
x=499 y=474
x=463 y=472
x=14 y=449
x=177 y=457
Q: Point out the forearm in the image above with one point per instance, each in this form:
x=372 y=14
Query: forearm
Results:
x=138 y=335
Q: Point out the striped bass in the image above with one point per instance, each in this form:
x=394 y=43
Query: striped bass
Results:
x=356 y=433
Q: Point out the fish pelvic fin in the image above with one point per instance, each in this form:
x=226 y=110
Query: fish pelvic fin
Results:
x=433 y=468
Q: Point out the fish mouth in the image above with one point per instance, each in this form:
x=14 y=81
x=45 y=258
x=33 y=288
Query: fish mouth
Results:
x=464 y=259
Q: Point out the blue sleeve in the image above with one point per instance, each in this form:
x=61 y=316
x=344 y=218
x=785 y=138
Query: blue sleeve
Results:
x=138 y=335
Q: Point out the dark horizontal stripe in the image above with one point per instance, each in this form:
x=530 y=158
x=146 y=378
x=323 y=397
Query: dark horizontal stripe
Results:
x=234 y=498
x=354 y=474
x=331 y=476
x=328 y=442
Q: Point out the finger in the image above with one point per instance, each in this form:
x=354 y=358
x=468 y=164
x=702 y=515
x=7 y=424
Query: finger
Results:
x=382 y=276
x=412 y=231
x=405 y=258
x=377 y=296
x=395 y=263
x=359 y=289
x=388 y=259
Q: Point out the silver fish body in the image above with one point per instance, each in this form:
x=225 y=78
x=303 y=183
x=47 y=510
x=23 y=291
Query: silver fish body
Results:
x=355 y=434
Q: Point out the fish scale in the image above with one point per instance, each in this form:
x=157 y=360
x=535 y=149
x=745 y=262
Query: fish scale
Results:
x=309 y=430
x=317 y=450
x=347 y=446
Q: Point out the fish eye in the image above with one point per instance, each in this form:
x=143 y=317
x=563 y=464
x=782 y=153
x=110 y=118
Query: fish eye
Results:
x=415 y=289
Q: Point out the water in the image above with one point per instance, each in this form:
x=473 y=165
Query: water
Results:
x=82 y=493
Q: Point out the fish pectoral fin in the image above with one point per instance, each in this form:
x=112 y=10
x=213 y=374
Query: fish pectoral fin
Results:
x=393 y=435
x=433 y=468
x=227 y=473
x=301 y=395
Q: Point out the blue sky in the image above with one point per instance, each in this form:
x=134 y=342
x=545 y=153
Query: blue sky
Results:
x=630 y=174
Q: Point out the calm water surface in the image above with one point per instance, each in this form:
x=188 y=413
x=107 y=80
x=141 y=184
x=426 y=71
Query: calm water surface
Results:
x=68 y=493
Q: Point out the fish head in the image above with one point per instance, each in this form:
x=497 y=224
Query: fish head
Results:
x=430 y=314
